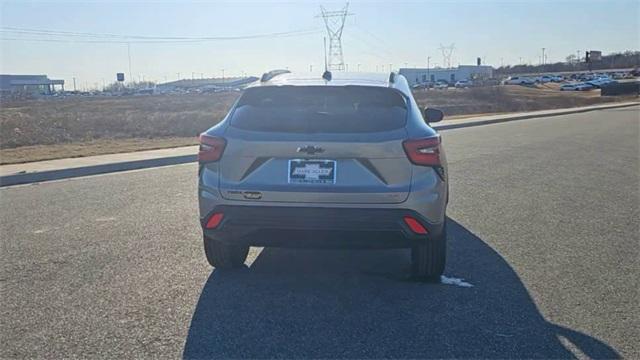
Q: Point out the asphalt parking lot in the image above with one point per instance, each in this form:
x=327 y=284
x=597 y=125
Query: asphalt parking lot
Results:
x=543 y=225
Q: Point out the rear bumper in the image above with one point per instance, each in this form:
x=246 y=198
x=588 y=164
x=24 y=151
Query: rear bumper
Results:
x=317 y=227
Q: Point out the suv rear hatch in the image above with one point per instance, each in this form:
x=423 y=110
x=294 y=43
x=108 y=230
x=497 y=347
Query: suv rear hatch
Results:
x=317 y=144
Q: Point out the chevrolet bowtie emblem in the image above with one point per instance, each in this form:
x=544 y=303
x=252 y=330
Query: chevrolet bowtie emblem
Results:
x=310 y=149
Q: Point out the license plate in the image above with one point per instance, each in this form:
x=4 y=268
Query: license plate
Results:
x=312 y=171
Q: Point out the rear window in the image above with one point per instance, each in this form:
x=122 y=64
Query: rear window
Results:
x=320 y=109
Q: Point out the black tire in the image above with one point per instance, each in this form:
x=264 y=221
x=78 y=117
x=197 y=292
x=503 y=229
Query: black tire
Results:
x=429 y=258
x=225 y=256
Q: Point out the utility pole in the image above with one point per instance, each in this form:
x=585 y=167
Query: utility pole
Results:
x=334 y=23
x=129 y=56
x=542 y=59
x=326 y=64
x=222 y=75
x=310 y=67
x=428 y=69
x=358 y=67
x=74 y=84
x=520 y=60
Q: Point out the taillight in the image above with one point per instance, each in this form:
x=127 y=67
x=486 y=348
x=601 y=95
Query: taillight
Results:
x=424 y=152
x=211 y=148
x=214 y=220
x=415 y=225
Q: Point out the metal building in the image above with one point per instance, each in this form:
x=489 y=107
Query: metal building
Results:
x=29 y=84
x=463 y=72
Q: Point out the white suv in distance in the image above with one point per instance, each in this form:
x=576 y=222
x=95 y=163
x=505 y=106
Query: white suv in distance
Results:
x=518 y=80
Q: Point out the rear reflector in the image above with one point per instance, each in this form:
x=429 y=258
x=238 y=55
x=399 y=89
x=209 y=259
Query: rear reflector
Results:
x=425 y=152
x=214 y=220
x=414 y=225
x=211 y=148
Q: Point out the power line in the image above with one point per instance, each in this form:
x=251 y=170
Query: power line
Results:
x=135 y=42
x=367 y=47
x=378 y=42
x=63 y=36
x=374 y=46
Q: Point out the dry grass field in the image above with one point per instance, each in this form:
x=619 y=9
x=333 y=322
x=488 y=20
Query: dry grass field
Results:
x=82 y=126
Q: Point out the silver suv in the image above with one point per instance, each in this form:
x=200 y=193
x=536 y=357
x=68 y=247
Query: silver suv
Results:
x=337 y=160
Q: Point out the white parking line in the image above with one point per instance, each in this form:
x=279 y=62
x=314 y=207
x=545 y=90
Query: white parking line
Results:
x=454 y=281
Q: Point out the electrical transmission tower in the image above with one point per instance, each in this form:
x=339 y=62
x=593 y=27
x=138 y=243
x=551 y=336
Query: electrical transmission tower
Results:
x=447 y=51
x=334 y=21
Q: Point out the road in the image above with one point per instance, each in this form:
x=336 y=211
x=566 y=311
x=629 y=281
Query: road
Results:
x=543 y=223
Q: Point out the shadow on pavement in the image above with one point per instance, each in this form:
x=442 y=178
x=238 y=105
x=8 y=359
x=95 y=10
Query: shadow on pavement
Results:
x=346 y=304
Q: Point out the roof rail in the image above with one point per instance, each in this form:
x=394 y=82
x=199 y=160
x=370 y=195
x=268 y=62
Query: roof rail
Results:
x=392 y=77
x=273 y=73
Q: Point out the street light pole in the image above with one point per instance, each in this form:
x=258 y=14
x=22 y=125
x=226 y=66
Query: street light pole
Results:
x=129 y=56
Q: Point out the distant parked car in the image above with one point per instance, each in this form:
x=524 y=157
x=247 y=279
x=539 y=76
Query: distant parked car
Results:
x=557 y=78
x=463 y=84
x=441 y=85
x=518 y=80
x=423 y=85
x=586 y=77
x=543 y=79
x=576 y=87
x=600 y=81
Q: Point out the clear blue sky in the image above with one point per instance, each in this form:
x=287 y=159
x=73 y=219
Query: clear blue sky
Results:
x=379 y=33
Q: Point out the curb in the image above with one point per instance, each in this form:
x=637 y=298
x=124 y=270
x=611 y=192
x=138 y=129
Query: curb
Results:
x=35 y=177
x=49 y=175
x=529 y=116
